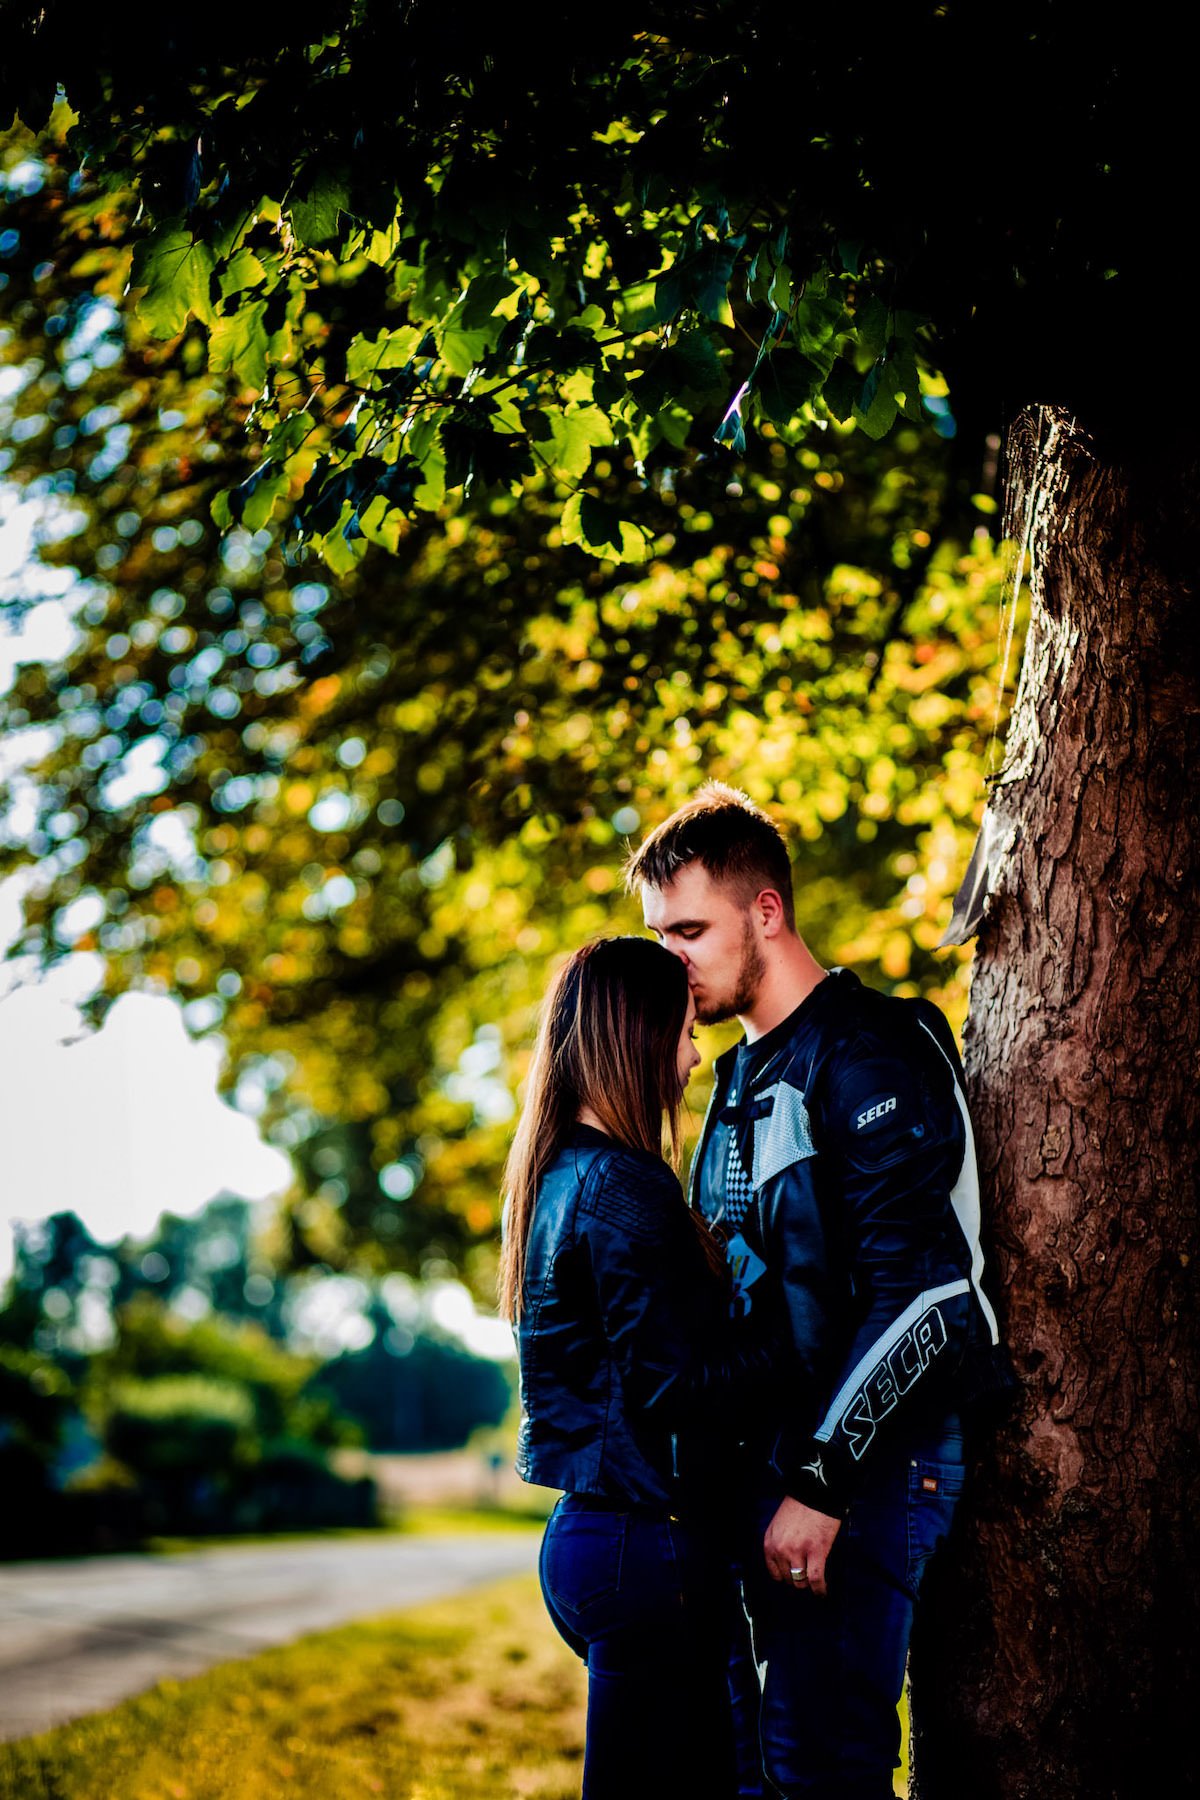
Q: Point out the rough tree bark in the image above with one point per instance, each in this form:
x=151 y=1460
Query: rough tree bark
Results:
x=1060 y=1650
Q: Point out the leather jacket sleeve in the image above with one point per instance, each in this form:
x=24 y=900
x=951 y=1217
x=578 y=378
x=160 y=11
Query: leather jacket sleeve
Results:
x=662 y=1311
x=876 y=1193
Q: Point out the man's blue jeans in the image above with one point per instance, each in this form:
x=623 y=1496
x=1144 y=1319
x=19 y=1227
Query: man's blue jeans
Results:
x=645 y=1601
x=832 y=1670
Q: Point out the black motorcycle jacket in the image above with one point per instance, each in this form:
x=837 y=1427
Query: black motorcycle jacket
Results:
x=629 y=1362
x=849 y=1199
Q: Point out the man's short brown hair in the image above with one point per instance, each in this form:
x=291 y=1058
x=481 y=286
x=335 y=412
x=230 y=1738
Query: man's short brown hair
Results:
x=730 y=837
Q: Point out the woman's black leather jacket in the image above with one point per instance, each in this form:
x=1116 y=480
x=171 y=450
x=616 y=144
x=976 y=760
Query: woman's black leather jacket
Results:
x=631 y=1372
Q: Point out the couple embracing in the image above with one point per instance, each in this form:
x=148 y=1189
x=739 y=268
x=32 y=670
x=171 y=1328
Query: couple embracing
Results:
x=752 y=1399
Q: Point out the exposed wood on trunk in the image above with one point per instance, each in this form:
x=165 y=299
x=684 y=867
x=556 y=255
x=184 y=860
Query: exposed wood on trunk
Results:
x=1059 y=1653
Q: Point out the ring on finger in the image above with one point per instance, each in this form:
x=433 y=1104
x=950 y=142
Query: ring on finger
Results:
x=799 y=1576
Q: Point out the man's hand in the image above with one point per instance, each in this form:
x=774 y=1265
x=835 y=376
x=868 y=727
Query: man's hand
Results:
x=799 y=1538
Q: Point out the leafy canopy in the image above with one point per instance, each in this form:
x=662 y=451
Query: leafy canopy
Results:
x=447 y=255
x=352 y=820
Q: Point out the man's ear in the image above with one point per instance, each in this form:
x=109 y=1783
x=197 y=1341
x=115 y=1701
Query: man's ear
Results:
x=770 y=911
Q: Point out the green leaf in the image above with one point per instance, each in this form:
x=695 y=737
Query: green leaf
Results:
x=238 y=341
x=780 y=292
x=383 y=523
x=759 y=276
x=390 y=350
x=290 y=433
x=872 y=322
x=341 y=553
x=252 y=501
x=461 y=350
x=483 y=297
x=850 y=252
x=315 y=216
x=636 y=309
x=786 y=382
x=842 y=387
x=875 y=409
x=691 y=365
x=816 y=322
x=242 y=272
x=710 y=276
x=424 y=444
x=701 y=365
x=432 y=491
x=174 y=270
x=575 y=435
x=668 y=296
x=562 y=349
x=596 y=527
x=907 y=381
x=263 y=489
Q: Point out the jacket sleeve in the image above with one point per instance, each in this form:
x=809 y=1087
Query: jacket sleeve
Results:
x=681 y=1360
x=893 y=1142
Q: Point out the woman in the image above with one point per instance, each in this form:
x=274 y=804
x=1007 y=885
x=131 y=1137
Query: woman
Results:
x=628 y=1371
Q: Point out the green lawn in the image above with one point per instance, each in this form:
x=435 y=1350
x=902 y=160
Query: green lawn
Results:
x=469 y=1697
x=459 y=1700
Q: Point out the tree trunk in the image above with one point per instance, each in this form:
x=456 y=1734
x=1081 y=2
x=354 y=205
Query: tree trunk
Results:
x=1059 y=1651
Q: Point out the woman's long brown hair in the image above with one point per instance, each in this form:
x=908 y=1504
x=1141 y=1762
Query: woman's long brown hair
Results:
x=608 y=1040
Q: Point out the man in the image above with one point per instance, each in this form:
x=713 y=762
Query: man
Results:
x=837 y=1161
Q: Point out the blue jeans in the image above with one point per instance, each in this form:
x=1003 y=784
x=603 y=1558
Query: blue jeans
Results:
x=645 y=1601
x=832 y=1670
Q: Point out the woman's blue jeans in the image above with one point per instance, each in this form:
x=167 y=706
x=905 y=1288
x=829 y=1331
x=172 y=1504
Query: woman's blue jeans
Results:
x=832 y=1670
x=645 y=1601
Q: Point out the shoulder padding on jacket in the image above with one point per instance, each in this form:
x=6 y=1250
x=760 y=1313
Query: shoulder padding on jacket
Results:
x=631 y=1192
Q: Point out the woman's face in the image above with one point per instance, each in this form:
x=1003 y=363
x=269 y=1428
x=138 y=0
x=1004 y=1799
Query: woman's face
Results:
x=687 y=1057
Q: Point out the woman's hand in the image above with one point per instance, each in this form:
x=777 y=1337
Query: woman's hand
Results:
x=797 y=1545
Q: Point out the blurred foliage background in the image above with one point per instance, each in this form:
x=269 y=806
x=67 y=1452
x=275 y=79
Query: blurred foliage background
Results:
x=351 y=819
x=175 y=1385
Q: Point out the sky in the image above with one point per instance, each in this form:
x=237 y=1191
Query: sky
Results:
x=116 y=1125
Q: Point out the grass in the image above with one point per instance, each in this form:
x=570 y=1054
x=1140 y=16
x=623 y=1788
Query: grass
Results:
x=456 y=1700
x=451 y=1701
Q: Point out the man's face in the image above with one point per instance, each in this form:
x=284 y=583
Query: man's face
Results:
x=703 y=924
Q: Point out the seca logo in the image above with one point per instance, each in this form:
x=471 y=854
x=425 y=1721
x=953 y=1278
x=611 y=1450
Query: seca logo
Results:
x=875 y=1112
x=892 y=1376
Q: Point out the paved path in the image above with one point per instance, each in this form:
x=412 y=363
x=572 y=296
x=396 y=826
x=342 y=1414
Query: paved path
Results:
x=77 y=1636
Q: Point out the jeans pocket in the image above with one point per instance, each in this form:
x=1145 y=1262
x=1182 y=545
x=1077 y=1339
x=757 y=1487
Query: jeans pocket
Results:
x=933 y=1493
x=581 y=1558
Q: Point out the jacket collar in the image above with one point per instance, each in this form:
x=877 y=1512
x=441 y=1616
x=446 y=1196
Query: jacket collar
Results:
x=831 y=992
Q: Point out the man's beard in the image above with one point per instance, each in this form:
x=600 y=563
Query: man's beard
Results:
x=750 y=971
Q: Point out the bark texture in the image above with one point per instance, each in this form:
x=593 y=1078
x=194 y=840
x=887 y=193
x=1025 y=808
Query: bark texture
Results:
x=1059 y=1653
